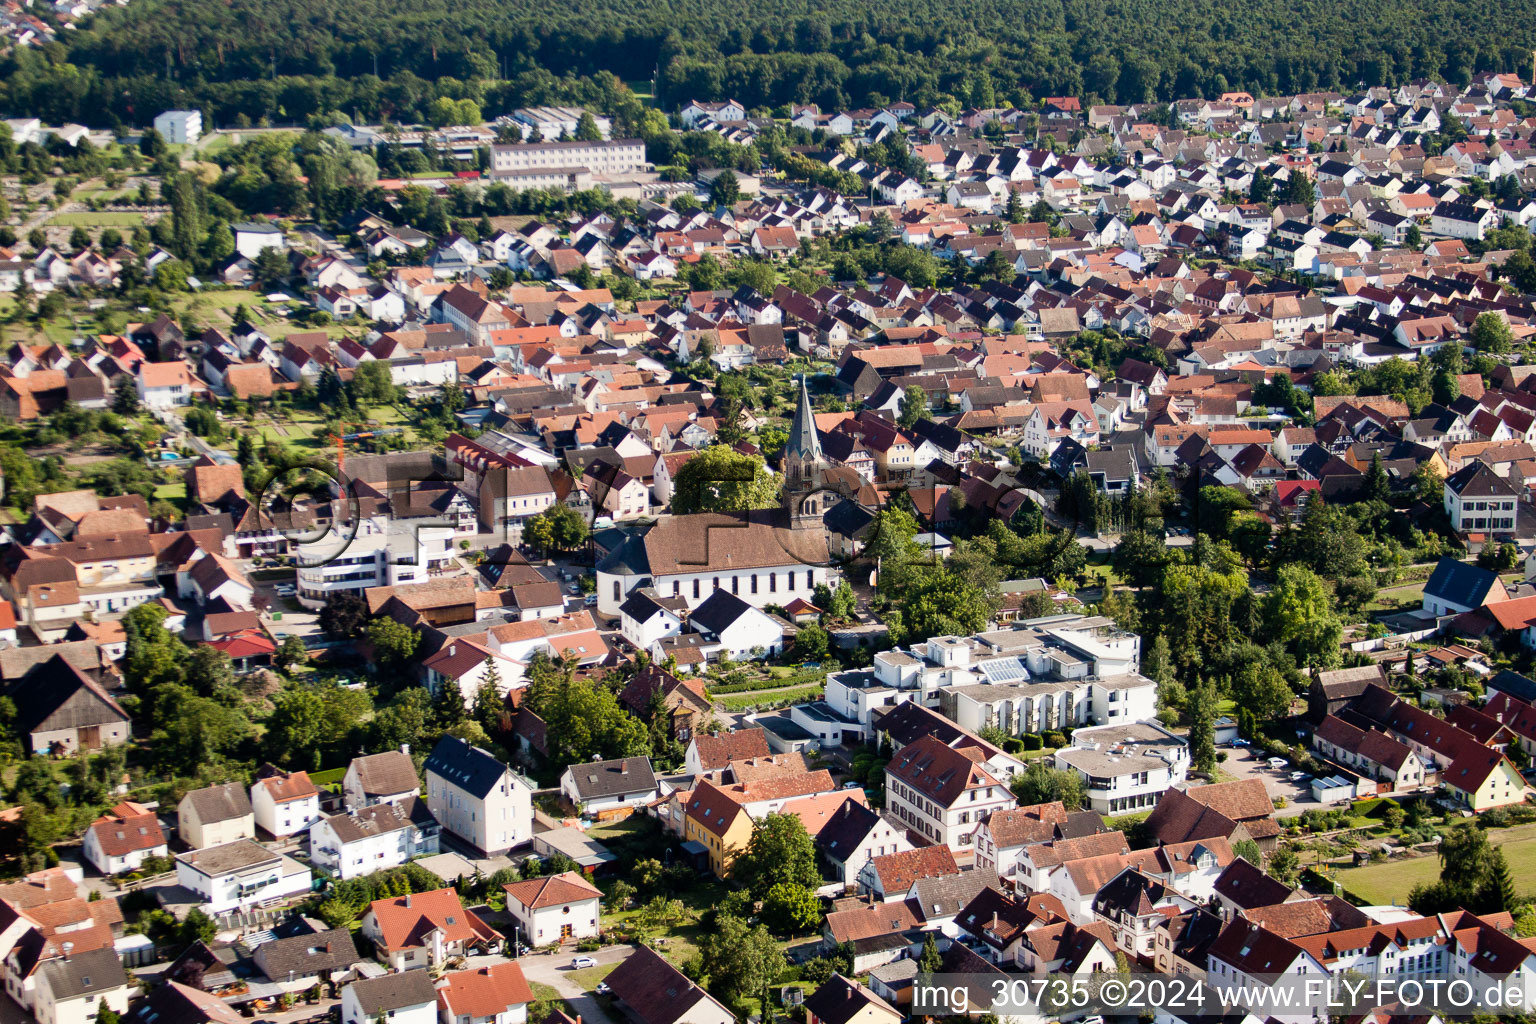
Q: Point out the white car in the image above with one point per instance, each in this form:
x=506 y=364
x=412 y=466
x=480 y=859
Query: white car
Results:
x=1278 y=762
x=582 y=961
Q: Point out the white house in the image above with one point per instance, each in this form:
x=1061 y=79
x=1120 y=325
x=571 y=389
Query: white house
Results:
x=1125 y=768
x=477 y=798
x=742 y=630
x=380 y=779
x=251 y=239
x=485 y=995
x=646 y=616
x=123 y=838
x=557 y=908
x=373 y=838
x=72 y=989
x=215 y=815
x=239 y=875
x=604 y=788
x=285 y=803
x=424 y=929
x=164 y=385
x=854 y=836
x=405 y=998
x=940 y=793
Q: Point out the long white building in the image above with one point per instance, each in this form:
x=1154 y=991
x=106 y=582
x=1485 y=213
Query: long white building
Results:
x=518 y=163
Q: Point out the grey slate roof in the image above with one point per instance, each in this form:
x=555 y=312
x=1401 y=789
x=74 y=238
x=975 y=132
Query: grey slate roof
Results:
x=304 y=955
x=621 y=776
x=1460 y=583
x=469 y=768
x=91 y=972
x=718 y=612
x=381 y=819
x=945 y=895
x=394 y=991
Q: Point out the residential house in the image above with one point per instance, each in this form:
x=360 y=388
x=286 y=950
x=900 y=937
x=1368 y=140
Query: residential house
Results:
x=373 y=838
x=408 y=997
x=123 y=838
x=609 y=789
x=554 y=909
x=485 y=995
x=380 y=778
x=285 y=803
x=424 y=929
x=649 y=990
x=215 y=815
x=240 y=875
x=477 y=798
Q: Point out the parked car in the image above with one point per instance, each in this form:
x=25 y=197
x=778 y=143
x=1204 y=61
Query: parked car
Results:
x=602 y=988
x=851 y=785
x=1278 y=762
x=590 y=601
x=1239 y=742
x=582 y=961
x=1300 y=777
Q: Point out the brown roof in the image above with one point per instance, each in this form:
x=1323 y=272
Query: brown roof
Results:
x=867 y=922
x=126 y=828
x=939 y=772
x=485 y=992
x=655 y=992
x=719 y=750
x=211 y=483
x=552 y=891
x=386 y=773
x=1020 y=826
x=898 y=872
x=405 y=921
x=287 y=788
x=730 y=542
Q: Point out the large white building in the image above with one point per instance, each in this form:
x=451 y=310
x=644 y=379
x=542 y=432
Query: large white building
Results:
x=1033 y=676
x=1125 y=768
x=239 y=875
x=553 y=122
x=609 y=158
x=941 y=793
x=378 y=554
x=180 y=127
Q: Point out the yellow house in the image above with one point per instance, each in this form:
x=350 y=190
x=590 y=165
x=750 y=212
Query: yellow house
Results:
x=719 y=824
x=1482 y=778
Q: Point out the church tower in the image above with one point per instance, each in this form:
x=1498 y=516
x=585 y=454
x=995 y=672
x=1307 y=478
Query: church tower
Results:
x=803 y=464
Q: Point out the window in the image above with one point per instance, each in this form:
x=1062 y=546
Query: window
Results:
x=773 y=583
x=754 y=583
x=695 y=590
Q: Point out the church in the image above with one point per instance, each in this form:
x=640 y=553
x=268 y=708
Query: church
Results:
x=765 y=557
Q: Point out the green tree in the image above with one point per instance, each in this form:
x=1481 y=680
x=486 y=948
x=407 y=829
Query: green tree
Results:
x=196 y=927
x=779 y=852
x=125 y=396
x=1202 y=726
x=1377 y=485
x=791 y=909
x=1284 y=865
x=587 y=129
x=811 y=642
x=1490 y=333
x=914 y=406
x=739 y=960
x=1040 y=783
x=394 y=645
x=290 y=653
x=725 y=189
x=929 y=961
x=1300 y=613
x=1299 y=189
x=720 y=479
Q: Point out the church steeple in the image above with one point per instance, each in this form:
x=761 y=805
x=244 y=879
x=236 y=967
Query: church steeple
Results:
x=803 y=463
x=804 y=445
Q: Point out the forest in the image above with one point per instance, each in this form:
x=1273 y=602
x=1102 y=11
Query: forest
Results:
x=302 y=61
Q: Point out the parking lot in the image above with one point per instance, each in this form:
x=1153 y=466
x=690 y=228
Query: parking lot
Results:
x=1246 y=763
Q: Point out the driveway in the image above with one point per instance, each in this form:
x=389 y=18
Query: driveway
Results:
x=1248 y=763
x=555 y=970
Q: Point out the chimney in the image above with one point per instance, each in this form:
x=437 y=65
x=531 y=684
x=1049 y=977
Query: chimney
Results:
x=407 y=901
x=405 y=748
x=453 y=649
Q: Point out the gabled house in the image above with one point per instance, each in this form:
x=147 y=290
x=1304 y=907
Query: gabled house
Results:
x=554 y=909
x=380 y=778
x=123 y=838
x=424 y=929
x=373 y=838
x=215 y=815
x=477 y=798
x=408 y=997
x=609 y=789
x=285 y=803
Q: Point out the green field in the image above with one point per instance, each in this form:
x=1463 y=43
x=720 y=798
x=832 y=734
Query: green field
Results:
x=1391 y=881
x=98 y=219
x=752 y=698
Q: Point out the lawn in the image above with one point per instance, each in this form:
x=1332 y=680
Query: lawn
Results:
x=680 y=941
x=1393 y=599
x=101 y=219
x=752 y=698
x=547 y=995
x=1391 y=881
x=588 y=977
x=172 y=492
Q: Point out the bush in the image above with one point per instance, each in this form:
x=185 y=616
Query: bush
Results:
x=1031 y=741
x=1054 y=739
x=1013 y=745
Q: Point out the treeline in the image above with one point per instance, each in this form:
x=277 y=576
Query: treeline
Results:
x=290 y=60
